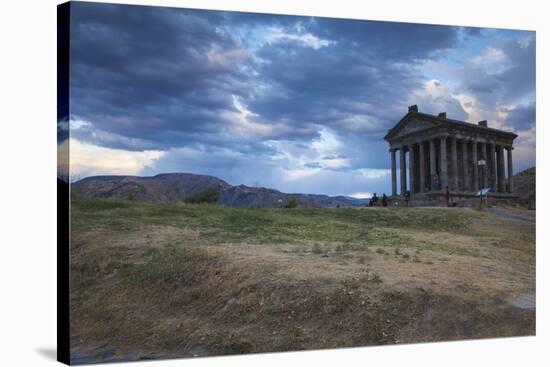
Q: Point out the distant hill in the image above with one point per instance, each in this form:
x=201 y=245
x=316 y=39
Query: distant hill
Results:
x=525 y=186
x=177 y=187
x=163 y=188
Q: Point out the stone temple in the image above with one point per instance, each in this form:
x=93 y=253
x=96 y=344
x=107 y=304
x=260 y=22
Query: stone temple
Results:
x=436 y=152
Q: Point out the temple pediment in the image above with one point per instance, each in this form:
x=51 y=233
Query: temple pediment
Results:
x=409 y=126
x=414 y=122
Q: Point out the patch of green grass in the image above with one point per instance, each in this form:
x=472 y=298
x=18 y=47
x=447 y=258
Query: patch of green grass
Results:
x=344 y=229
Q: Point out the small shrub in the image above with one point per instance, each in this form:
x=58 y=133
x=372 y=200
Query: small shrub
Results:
x=397 y=252
x=207 y=196
x=380 y=251
x=291 y=203
x=316 y=249
x=406 y=256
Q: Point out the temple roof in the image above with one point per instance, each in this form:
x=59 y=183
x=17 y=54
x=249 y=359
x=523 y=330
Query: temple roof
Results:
x=442 y=120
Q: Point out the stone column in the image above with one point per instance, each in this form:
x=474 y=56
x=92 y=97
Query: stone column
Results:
x=432 y=163
x=510 y=171
x=466 y=177
x=412 y=170
x=500 y=163
x=443 y=164
x=422 y=167
x=492 y=168
x=475 y=168
x=454 y=165
x=484 y=168
x=403 y=170
x=393 y=173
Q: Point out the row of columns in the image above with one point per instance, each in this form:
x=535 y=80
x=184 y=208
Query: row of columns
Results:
x=492 y=173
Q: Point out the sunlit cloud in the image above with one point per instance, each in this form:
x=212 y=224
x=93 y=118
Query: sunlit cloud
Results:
x=361 y=195
x=297 y=34
x=89 y=160
x=374 y=173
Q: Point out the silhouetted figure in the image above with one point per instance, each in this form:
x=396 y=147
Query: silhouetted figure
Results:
x=407 y=197
x=447 y=195
x=374 y=199
x=384 y=200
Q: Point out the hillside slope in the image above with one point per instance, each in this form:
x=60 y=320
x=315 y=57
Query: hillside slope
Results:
x=176 y=187
x=525 y=185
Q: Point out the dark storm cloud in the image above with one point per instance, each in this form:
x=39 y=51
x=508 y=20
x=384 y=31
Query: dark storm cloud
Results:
x=472 y=31
x=153 y=74
x=347 y=84
x=328 y=85
x=157 y=78
x=520 y=78
x=506 y=80
x=522 y=117
x=243 y=96
x=389 y=41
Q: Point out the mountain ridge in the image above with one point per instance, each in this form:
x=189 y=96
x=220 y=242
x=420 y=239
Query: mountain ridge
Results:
x=177 y=187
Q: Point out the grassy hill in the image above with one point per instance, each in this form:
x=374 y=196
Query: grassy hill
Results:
x=525 y=185
x=196 y=280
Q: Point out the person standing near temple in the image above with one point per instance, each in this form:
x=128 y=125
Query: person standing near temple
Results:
x=374 y=200
x=447 y=195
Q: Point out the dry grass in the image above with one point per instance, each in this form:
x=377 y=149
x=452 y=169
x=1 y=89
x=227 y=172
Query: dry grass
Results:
x=186 y=280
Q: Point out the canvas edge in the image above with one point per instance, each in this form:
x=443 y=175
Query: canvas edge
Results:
x=63 y=182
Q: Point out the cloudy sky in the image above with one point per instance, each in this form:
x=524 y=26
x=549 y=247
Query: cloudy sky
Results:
x=299 y=104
